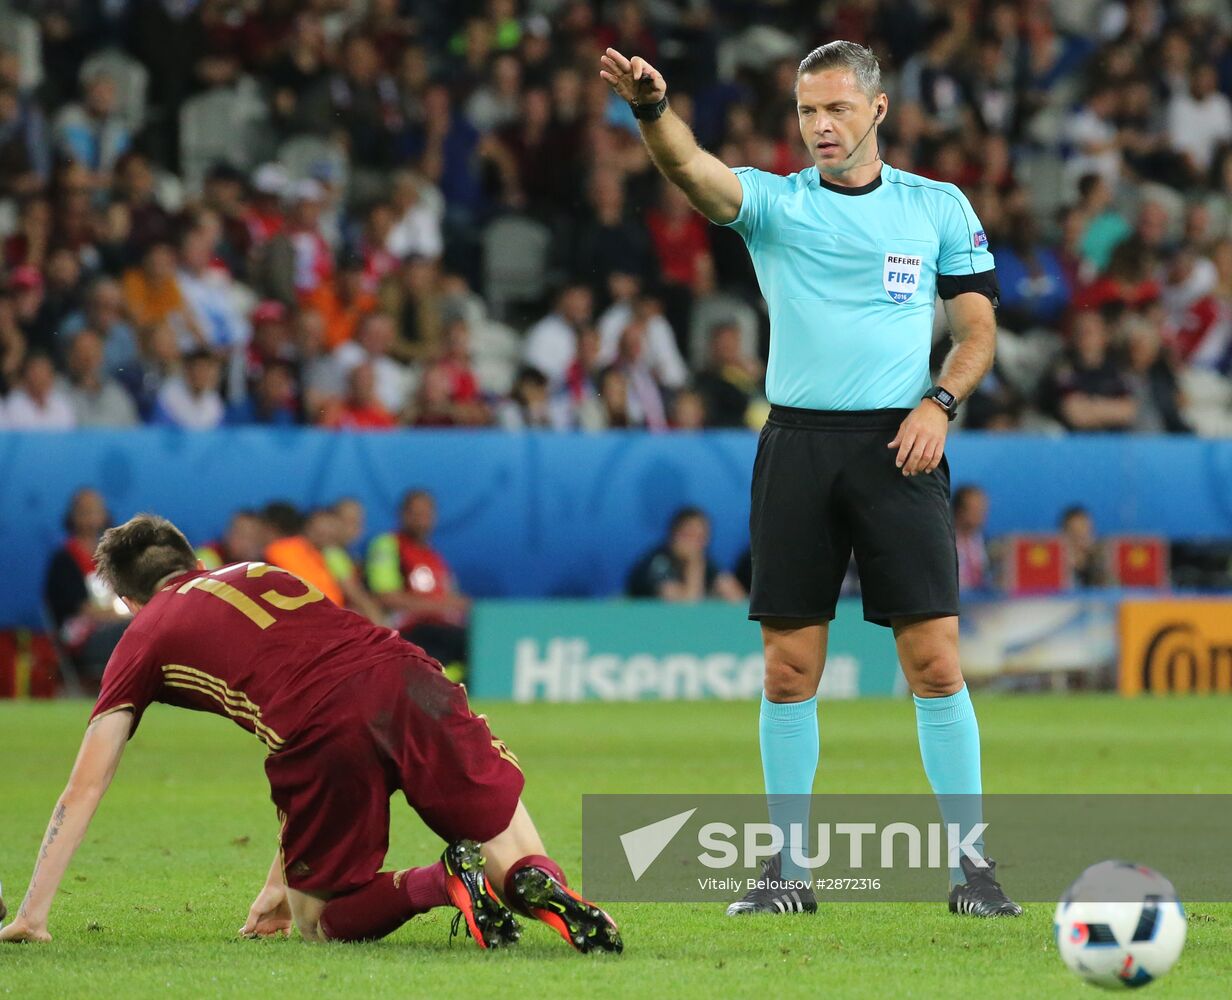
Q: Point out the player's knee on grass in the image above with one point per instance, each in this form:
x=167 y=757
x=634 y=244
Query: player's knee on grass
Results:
x=306 y=912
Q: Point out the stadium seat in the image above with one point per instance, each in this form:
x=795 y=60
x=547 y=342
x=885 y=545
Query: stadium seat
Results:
x=496 y=350
x=515 y=262
x=301 y=153
x=1208 y=401
x=720 y=307
x=27 y=665
x=222 y=125
x=131 y=80
x=22 y=35
x=1035 y=564
x=70 y=678
x=1137 y=560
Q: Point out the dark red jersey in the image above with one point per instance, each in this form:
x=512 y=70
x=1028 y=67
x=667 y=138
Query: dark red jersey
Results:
x=249 y=641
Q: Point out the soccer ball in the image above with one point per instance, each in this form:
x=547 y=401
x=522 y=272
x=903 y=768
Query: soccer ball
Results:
x=1120 y=924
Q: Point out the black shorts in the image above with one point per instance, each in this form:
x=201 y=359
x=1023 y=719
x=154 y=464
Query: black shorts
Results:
x=825 y=485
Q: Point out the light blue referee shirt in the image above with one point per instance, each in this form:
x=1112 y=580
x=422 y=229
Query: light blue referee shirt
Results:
x=850 y=277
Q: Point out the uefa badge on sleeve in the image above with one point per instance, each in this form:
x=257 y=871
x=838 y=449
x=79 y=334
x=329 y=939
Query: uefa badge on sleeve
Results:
x=900 y=276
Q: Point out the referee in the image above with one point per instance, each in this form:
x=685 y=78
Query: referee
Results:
x=850 y=257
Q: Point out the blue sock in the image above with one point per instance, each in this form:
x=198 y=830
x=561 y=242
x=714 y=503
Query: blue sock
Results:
x=790 y=745
x=950 y=749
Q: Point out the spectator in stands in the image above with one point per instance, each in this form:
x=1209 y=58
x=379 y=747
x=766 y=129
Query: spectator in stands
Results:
x=291 y=549
x=31 y=309
x=645 y=394
x=412 y=582
x=551 y=344
x=417 y=210
x=607 y=241
x=94 y=132
x=1083 y=554
x=12 y=348
x=208 y=291
x=152 y=295
x=296 y=261
x=929 y=79
x=539 y=155
x=662 y=355
x=580 y=387
x=1088 y=390
x=63 y=291
x=87 y=616
x=1104 y=227
x=299 y=78
x=245 y=540
x=38 y=403
x=681 y=240
x=97 y=399
x=496 y=102
x=609 y=409
x=680 y=570
x=455 y=362
x=159 y=361
x=1200 y=120
x=528 y=406
x=1153 y=379
x=970 y=520
x=343 y=302
x=1034 y=289
x=361 y=409
x=271 y=402
x=450 y=155
x=104 y=313
x=192 y=400
x=373 y=345
x=137 y=190
x=732 y=379
x=365 y=103
x=223 y=194
x=1093 y=134
x=24 y=157
x=688 y=411
x=319 y=381
x=264 y=216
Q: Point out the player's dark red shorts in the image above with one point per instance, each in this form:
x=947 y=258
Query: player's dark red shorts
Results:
x=403 y=726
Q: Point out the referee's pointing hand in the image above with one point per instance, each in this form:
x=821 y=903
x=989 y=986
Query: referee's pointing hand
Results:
x=634 y=79
x=921 y=438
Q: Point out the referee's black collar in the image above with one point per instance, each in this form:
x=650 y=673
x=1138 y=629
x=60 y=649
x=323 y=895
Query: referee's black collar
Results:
x=872 y=185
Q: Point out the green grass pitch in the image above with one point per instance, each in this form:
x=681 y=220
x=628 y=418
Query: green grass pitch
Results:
x=182 y=842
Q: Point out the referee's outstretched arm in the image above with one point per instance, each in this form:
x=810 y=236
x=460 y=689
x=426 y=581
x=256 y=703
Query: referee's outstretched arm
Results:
x=707 y=182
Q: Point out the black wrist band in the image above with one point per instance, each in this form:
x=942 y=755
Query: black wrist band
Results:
x=943 y=398
x=649 y=112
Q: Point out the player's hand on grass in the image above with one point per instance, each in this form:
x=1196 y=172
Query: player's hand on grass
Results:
x=270 y=914
x=19 y=931
x=634 y=79
x=921 y=439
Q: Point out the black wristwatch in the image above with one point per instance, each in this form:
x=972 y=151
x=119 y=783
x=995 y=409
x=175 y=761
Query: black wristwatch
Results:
x=649 y=112
x=943 y=398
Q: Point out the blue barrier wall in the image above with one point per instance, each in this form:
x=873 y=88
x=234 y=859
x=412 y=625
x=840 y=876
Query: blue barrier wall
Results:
x=533 y=515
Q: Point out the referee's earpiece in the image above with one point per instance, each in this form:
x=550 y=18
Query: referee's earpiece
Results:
x=880 y=112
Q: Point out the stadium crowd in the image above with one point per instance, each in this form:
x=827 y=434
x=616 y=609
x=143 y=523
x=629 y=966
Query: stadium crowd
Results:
x=403 y=212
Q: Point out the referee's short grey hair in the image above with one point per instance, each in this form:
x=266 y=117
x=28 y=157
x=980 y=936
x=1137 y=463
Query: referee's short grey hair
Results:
x=845 y=55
